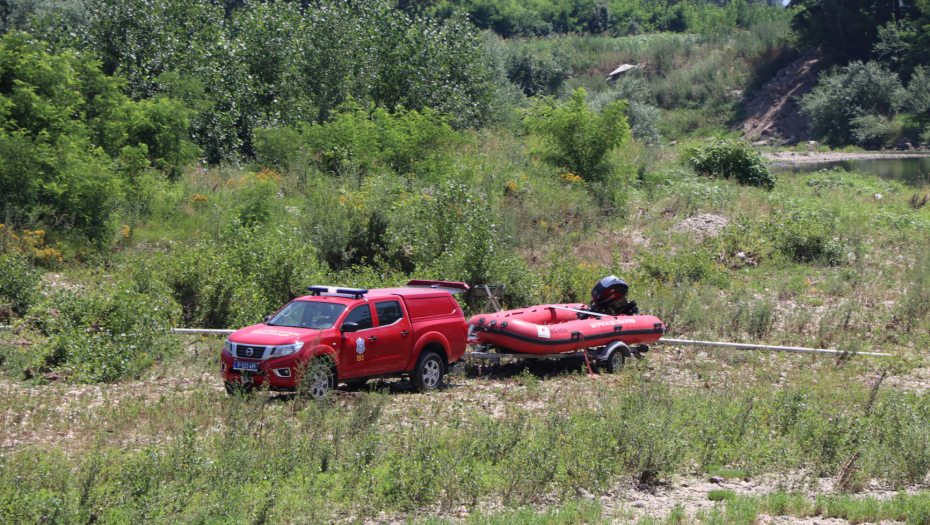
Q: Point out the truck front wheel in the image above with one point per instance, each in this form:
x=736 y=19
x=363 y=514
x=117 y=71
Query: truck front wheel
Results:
x=428 y=372
x=318 y=379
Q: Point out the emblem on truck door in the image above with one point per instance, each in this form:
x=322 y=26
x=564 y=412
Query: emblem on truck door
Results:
x=360 y=345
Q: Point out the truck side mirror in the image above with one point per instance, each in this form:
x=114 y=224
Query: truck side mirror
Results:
x=349 y=327
x=267 y=318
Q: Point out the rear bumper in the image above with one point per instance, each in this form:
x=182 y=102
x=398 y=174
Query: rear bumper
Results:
x=282 y=372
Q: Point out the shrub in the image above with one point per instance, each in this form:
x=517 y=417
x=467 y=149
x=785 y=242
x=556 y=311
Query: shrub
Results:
x=728 y=159
x=19 y=281
x=405 y=142
x=875 y=131
x=70 y=140
x=808 y=237
x=101 y=333
x=846 y=94
x=914 y=306
x=641 y=116
x=251 y=272
x=918 y=95
x=697 y=265
x=799 y=236
x=576 y=138
x=539 y=72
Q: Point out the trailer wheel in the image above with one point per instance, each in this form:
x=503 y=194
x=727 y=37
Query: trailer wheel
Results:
x=615 y=361
x=428 y=372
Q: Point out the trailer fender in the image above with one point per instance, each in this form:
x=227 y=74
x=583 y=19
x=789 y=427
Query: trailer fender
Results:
x=617 y=346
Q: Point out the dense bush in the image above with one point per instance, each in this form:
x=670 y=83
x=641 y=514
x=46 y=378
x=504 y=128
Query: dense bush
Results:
x=539 y=71
x=848 y=102
x=104 y=332
x=406 y=142
x=249 y=273
x=731 y=159
x=71 y=143
x=576 y=138
x=918 y=95
x=280 y=63
x=690 y=266
x=797 y=236
x=19 y=282
x=513 y=18
x=641 y=116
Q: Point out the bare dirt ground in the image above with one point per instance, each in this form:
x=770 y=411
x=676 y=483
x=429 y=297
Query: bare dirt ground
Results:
x=831 y=156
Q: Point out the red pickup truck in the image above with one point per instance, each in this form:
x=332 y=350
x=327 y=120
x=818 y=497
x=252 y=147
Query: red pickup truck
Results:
x=344 y=335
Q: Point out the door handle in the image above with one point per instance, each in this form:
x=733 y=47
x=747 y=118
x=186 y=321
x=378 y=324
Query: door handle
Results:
x=373 y=338
x=405 y=333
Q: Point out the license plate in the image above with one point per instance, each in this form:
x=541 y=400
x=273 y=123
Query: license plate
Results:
x=242 y=365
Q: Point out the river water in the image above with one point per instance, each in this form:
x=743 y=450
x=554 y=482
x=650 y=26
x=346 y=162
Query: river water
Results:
x=911 y=171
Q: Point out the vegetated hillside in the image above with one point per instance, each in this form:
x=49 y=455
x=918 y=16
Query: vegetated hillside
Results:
x=773 y=112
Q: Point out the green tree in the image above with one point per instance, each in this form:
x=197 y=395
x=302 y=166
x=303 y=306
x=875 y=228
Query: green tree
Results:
x=577 y=138
x=918 y=99
x=848 y=102
x=849 y=28
x=70 y=140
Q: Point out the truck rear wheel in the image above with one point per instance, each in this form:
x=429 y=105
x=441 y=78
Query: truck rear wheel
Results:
x=427 y=376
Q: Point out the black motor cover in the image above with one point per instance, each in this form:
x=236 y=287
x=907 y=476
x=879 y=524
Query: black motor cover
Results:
x=609 y=297
x=608 y=290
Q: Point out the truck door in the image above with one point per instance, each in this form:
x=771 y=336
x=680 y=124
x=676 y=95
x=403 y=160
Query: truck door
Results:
x=395 y=336
x=359 y=348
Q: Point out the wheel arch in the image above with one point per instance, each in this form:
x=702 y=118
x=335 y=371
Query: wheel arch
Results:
x=325 y=352
x=433 y=342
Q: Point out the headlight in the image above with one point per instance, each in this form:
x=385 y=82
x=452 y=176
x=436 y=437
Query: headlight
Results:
x=283 y=350
x=227 y=345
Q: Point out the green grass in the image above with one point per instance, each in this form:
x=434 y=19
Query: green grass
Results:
x=721 y=495
x=745 y=509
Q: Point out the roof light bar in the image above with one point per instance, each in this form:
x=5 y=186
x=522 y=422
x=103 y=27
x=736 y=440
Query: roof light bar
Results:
x=318 y=291
x=357 y=292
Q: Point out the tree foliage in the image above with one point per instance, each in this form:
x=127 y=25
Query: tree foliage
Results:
x=363 y=138
x=529 y=18
x=918 y=94
x=847 y=27
x=281 y=63
x=70 y=142
x=577 y=138
x=848 y=103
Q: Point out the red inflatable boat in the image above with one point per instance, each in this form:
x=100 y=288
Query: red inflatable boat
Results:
x=556 y=328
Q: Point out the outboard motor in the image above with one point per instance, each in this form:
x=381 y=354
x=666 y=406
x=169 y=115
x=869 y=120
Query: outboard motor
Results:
x=609 y=297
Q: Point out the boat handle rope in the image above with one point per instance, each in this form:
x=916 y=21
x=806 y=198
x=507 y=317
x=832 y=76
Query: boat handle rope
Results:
x=585 y=350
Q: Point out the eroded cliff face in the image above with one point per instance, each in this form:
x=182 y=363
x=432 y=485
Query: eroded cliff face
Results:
x=773 y=112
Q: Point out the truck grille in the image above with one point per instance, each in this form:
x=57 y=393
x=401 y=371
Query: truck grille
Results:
x=250 y=351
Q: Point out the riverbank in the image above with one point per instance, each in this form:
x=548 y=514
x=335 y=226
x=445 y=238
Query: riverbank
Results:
x=832 y=156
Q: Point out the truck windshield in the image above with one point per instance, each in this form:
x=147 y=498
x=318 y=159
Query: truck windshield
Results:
x=307 y=314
